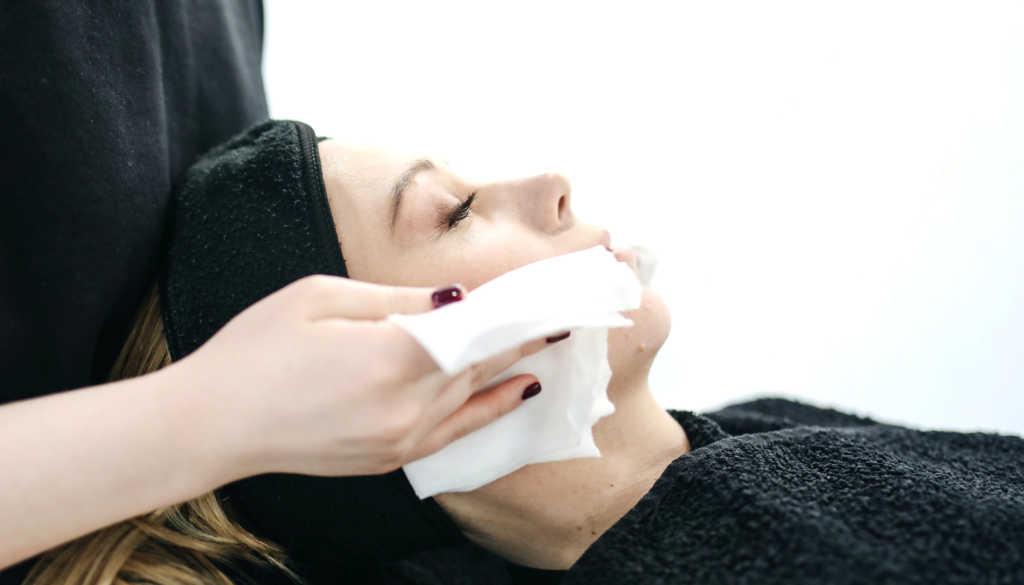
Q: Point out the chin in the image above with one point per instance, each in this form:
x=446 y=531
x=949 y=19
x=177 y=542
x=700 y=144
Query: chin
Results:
x=631 y=350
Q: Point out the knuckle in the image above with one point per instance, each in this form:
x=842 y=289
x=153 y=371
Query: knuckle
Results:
x=392 y=458
x=392 y=300
x=311 y=287
x=320 y=284
x=464 y=428
x=400 y=426
x=395 y=453
x=390 y=436
x=310 y=282
x=479 y=376
x=407 y=355
x=398 y=367
x=388 y=374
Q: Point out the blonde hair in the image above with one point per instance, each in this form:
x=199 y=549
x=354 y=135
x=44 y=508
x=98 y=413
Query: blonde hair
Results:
x=176 y=545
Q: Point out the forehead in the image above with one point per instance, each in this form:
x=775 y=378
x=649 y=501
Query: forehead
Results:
x=360 y=183
x=360 y=180
x=361 y=172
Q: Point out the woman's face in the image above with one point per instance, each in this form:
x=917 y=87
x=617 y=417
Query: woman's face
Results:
x=410 y=220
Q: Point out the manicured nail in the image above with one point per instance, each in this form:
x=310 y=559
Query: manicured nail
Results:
x=531 y=390
x=557 y=338
x=445 y=296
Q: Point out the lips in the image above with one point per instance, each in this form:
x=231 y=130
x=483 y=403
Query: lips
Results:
x=628 y=256
x=621 y=254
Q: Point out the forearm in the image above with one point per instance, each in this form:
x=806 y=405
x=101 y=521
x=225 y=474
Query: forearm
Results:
x=78 y=461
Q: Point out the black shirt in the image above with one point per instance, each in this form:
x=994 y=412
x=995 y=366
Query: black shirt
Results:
x=103 y=106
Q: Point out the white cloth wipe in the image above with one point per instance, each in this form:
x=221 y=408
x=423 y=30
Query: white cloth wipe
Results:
x=582 y=292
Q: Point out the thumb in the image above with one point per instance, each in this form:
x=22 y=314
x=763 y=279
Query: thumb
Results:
x=324 y=297
x=480 y=410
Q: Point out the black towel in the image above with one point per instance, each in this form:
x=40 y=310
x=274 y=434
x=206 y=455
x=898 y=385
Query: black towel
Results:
x=776 y=491
x=781 y=492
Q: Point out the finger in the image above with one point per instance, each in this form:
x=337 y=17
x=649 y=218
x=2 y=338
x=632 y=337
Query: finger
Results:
x=479 y=411
x=324 y=297
x=484 y=371
x=460 y=389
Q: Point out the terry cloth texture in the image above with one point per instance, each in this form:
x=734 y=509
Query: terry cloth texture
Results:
x=252 y=217
x=785 y=493
x=775 y=491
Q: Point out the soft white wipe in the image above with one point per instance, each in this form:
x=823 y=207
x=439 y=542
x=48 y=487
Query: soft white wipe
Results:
x=581 y=292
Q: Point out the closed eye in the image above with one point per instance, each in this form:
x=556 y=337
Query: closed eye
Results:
x=456 y=214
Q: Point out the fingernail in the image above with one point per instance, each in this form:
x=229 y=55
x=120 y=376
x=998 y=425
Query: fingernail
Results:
x=445 y=296
x=531 y=390
x=557 y=338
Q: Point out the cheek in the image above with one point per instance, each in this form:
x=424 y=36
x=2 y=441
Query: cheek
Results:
x=365 y=255
x=472 y=259
x=631 y=350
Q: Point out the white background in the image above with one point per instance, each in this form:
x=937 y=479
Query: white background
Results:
x=836 y=193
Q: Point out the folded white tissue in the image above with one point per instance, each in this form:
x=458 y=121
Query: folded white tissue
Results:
x=582 y=292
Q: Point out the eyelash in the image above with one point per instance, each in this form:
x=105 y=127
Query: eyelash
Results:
x=458 y=213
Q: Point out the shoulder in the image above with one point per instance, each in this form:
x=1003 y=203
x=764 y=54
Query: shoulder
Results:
x=760 y=416
x=773 y=414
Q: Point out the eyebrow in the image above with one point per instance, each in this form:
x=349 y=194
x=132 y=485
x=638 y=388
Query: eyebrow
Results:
x=398 y=191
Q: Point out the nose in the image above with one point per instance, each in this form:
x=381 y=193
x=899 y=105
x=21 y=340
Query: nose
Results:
x=542 y=201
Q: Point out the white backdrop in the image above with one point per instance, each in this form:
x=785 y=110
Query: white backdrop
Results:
x=836 y=193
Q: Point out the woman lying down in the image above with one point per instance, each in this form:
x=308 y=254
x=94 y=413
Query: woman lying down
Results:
x=771 y=491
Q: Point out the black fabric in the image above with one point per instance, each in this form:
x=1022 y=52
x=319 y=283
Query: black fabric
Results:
x=528 y=576
x=807 y=495
x=252 y=217
x=243 y=572
x=16 y=575
x=775 y=491
x=103 y=106
x=460 y=564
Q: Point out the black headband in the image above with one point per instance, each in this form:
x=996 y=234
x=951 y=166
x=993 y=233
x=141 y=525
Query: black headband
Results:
x=251 y=217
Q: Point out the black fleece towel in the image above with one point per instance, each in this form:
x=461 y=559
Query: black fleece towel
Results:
x=779 y=492
x=776 y=491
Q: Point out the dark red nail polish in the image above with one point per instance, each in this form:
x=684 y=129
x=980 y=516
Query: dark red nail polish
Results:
x=445 y=296
x=557 y=338
x=531 y=390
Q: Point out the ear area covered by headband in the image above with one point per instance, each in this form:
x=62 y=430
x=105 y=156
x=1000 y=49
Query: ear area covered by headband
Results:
x=251 y=217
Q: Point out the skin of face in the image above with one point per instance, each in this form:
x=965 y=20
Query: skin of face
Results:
x=543 y=515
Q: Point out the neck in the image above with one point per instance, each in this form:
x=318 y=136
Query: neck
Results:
x=547 y=514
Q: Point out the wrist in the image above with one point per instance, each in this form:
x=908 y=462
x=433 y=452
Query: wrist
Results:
x=206 y=437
